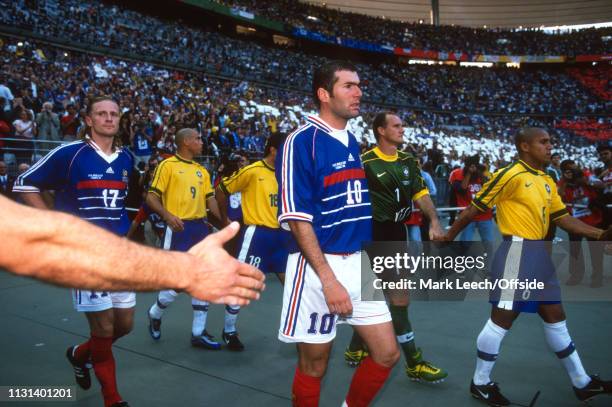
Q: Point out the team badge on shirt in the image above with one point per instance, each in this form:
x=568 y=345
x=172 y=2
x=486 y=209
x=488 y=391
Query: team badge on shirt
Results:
x=547 y=188
x=199 y=174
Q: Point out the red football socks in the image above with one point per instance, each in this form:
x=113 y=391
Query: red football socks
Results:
x=104 y=367
x=83 y=352
x=306 y=390
x=367 y=380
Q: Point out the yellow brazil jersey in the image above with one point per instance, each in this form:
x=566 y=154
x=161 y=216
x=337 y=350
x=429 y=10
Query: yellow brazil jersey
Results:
x=259 y=189
x=526 y=200
x=183 y=186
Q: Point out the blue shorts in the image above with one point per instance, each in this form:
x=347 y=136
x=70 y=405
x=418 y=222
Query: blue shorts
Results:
x=194 y=231
x=264 y=248
x=522 y=260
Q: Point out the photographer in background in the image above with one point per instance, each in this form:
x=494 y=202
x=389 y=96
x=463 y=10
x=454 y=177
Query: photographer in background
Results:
x=465 y=183
x=48 y=124
x=578 y=190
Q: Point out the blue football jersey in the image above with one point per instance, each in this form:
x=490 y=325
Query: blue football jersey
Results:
x=321 y=180
x=88 y=183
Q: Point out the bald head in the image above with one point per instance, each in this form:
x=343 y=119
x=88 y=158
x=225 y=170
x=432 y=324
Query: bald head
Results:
x=23 y=167
x=527 y=135
x=184 y=135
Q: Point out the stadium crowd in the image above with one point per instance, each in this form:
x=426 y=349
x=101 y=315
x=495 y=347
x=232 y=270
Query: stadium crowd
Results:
x=424 y=36
x=44 y=89
x=440 y=88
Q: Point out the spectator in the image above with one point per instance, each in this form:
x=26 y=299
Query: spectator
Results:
x=25 y=129
x=7 y=97
x=466 y=182
x=70 y=123
x=576 y=189
x=48 y=125
x=554 y=168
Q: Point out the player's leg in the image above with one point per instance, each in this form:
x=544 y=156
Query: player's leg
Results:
x=559 y=340
x=250 y=241
x=165 y=297
x=200 y=338
x=79 y=355
x=305 y=320
x=124 y=303
x=312 y=365
x=372 y=321
x=101 y=324
x=416 y=368
x=488 y=345
x=372 y=373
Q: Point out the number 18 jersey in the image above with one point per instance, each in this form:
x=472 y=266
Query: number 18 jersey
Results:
x=88 y=183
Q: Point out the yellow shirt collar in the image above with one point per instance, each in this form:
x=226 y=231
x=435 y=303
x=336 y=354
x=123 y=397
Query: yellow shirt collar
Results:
x=385 y=157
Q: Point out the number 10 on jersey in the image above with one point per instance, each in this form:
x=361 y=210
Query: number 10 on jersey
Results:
x=353 y=192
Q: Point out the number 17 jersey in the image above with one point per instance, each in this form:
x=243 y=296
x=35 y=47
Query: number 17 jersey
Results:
x=88 y=183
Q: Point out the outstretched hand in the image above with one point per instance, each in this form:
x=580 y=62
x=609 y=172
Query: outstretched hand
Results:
x=222 y=279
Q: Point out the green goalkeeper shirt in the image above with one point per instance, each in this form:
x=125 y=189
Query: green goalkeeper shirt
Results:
x=394 y=182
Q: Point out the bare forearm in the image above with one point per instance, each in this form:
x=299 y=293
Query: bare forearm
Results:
x=577 y=227
x=428 y=209
x=462 y=221
x=214 y=210
x=67 y=251
x=154 y=202
x=309 y=246
x=221 y=199
x=34 y=199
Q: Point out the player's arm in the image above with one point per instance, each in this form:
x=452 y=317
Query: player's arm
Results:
x=465 y=217
x=212 y=206
x=34 y=199
x=155 y=203
x=336 y=296
x=561 y=217
x=423 y=198
x=577 y=227
x=221 y=200
x=429 y=210
x=33 y=185
x=64 y=250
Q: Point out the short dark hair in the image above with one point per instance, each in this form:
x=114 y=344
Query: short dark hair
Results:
x=275 y=140
x=325 y=77
x=380 y=120
x=526 y=134
x=566 y=163
x=553 y=155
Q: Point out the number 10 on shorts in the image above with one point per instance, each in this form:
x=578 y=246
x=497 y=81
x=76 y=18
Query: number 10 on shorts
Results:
x=327 y=323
